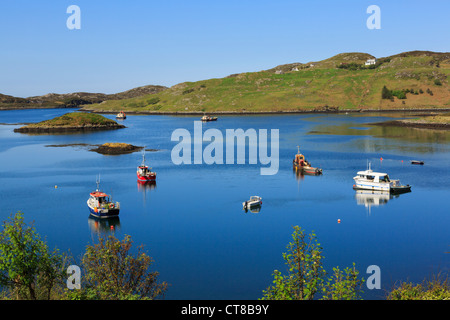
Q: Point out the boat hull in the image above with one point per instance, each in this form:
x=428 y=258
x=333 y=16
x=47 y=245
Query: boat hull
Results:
x=308 y=170
x=390 y=189
x=149 y=178
x=104 y=213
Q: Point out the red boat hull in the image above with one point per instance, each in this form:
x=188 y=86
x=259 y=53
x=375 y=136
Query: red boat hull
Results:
x=149 y=178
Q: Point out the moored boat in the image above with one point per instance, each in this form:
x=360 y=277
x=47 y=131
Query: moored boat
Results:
x=144 y=173
x=208 y=118
x=101 y=205
x=378 y=181
x=301 y=164
x=255 y=201
x=417 y=162
x=121 y=115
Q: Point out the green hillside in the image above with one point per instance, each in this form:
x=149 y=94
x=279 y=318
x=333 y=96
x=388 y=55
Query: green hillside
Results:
x=416 y=79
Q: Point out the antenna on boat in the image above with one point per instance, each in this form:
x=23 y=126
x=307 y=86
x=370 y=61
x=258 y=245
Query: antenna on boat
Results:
x=368 y=165
x=98 y=182
x=298 y=149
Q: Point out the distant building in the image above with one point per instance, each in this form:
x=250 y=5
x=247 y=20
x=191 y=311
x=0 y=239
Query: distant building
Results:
x=370 y=62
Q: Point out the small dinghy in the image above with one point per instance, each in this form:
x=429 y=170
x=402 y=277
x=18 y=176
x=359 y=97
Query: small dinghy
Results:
x=208 y=118
x=417 y=162
x=255 y=201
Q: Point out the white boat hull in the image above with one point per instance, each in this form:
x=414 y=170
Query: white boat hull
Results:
x=372 y=186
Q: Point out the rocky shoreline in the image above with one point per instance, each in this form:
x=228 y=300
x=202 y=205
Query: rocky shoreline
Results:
x=106 y=148
x=413 y=124
x=116 y=148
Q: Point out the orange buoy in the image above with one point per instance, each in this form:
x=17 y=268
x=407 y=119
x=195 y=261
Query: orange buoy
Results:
x=381 y=159
x=339 y=220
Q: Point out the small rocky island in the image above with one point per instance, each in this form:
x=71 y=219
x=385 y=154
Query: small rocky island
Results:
x=436 y=121
x=116 y=148
x=71 y=122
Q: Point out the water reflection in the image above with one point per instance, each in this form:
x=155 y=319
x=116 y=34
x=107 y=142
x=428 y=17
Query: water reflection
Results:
x=254 y=209
x=145 y=186
x=102 y=226
x=299 y=175
x=406 y=139
x=371 y=199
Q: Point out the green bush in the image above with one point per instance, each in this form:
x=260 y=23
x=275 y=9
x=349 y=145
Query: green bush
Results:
x=386 y=93
x=306 y=276
x=435 y=289
x=28 y=269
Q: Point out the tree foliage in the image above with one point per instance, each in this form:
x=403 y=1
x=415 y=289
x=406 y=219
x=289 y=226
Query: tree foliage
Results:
x=28 y=269
x=437 y=288
x=306 y=276
x=112 y=272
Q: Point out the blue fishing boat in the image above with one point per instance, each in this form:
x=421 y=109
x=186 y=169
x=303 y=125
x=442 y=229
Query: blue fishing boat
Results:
x=101 y=205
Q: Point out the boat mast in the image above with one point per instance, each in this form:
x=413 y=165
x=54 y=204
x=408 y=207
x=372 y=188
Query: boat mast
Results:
x=143 y=158
x=98 y=183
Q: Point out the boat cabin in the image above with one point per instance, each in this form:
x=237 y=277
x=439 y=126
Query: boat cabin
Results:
x=99 y=198
x=373 y=176
x=143 y=170
x=299 y=158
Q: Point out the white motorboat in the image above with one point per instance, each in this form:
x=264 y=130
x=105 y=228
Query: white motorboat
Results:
x=378 y=181
x=255 y=201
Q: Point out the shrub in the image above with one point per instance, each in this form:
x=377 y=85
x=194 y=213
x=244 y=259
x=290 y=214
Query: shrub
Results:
x=386 y=93
x=113 y=273
x=436 y=289
x=437 y=82
x=28 y=269
x=306 y=276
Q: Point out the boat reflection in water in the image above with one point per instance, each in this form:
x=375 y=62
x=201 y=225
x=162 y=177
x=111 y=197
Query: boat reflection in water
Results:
x=255 y=209
x=299 y=175
x=371 y=199
x=101 y=226
x=144 y=186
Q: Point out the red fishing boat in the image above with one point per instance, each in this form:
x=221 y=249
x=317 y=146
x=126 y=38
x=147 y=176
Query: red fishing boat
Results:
x=144 y=173
x=303 y=166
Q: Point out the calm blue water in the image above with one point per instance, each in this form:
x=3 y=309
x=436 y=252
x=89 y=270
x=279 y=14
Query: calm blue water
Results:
x=192 y=224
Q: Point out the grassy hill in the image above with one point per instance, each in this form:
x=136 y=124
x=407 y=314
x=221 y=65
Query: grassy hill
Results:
x=417 y=79
x=70 y=100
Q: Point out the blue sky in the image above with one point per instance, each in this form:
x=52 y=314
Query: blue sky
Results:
x=125 y=44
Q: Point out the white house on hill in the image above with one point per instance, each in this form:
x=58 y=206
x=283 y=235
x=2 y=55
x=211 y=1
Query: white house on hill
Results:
x=370 y=62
